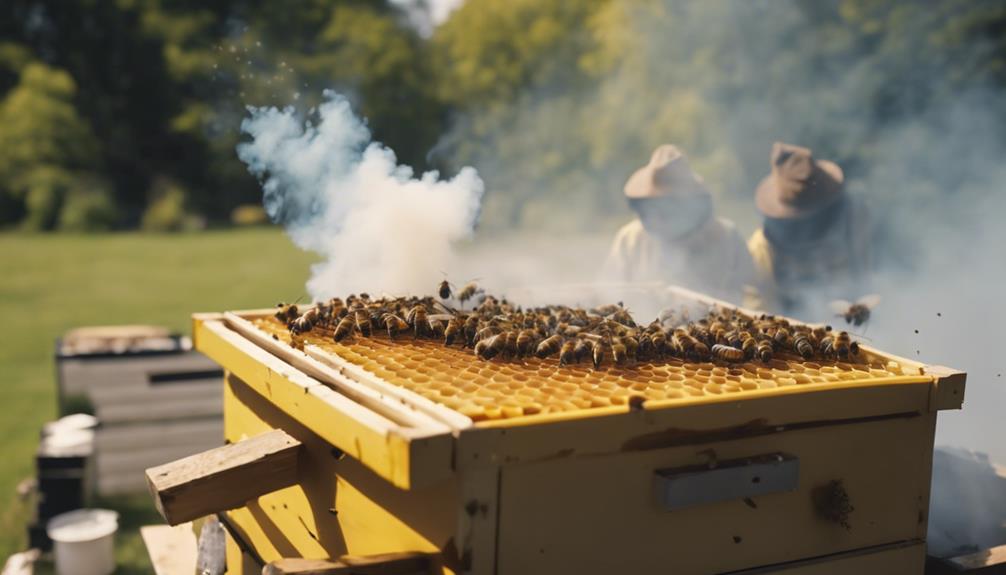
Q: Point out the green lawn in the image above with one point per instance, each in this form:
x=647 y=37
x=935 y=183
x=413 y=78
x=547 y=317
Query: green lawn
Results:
x=50 y=283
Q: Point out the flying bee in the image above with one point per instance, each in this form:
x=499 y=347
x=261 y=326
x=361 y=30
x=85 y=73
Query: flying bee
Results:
x=490 y=348
x=444 y=291
x=727 y=353
x=344 y=328
x=548 y=346
x=455 y=326
x=567 y=353
x=855 y=313
x=597 y=353
x=803 y=345
x=394 y=324
x=764 y=351
x=468 y=292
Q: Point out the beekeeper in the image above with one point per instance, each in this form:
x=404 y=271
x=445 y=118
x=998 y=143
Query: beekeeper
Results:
x=676 y=237
x=814 y=244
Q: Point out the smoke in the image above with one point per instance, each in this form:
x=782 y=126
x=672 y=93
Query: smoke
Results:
x=377 y=226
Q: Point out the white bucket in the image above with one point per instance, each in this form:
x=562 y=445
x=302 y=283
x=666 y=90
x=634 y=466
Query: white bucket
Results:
x=84 y=541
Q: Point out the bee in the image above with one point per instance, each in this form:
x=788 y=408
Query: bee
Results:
x=455 y=326
x=749 y=345
x=659 y=341
x=841 y=345
x=567 y=354
x=468 y=292
x=618 y=351
x=525 y=341
x=623 y=317
x=855 y=313
x=344 y=328
x=362 y=319
x=444 y=291
x=510 y=343
x=803 y=345
x=781 y=337
x=606 y=310
x=727 y=353
x=418 y=320
x=436 y=327
x=631 y=347
x=471 y=329
x=764 y=351
x=548 y=346
x=305 y=323
x=287 y=313
x=597 y=353
x=394 y=324
x=490 y=347
x=581 y=350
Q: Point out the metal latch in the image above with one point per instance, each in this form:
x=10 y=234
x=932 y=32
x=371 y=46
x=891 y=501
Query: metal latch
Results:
x=681 y=487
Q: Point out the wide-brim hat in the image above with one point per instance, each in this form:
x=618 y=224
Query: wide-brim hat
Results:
x=667 y=175
x=799 y=184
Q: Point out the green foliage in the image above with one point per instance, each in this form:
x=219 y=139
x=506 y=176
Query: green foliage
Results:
x=249 y=215
x=88 y=207
x=166 y=212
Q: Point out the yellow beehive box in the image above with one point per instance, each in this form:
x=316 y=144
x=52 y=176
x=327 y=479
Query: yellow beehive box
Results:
x=503 y=467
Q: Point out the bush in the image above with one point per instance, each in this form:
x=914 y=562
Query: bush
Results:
x=166 y=213
x=249 y=215
x=88 y=207
x=44 y=188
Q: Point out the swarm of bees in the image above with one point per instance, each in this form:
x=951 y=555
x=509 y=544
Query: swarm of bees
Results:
x=497 y=329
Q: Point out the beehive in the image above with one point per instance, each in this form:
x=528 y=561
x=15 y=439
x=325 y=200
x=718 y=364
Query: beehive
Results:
x=531 y=467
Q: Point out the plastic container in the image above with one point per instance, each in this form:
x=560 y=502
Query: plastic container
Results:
x=84 y=541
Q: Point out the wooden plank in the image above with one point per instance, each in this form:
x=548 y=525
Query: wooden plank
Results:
x=225 y=477
x=172 y=550
x=404 y=563
x=645 y=429
x=161 y=410
x=207 y=432
x=898 y=559
x=353 y=428
x=948 y=393
x=551 y=509
x=986 y=562
x=151 y=394
x=339 y=506
x=383 y=401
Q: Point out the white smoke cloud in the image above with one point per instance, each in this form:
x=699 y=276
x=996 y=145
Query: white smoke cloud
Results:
x=378 y=226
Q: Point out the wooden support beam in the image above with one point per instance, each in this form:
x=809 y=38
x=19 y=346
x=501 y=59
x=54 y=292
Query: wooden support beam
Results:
x=385 y=564
x=224 y=478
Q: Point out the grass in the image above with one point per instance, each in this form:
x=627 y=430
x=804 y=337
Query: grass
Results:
x=51 y=283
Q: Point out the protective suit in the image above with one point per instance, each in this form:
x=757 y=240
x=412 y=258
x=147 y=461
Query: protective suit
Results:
x=676 y=237
x=814 y=244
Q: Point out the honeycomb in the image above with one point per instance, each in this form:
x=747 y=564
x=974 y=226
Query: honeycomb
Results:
x=486 y=390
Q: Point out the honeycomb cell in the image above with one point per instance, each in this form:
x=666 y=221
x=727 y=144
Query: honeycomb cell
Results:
x=505 y=388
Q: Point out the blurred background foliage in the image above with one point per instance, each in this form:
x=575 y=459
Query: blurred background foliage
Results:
x=124 y=113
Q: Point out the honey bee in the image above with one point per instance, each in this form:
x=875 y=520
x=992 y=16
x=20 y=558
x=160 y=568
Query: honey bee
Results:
x=394 y=325
x=803 y=345
x=781 y=336
x=490 y=347
x=749 y=345
x=855 y=313
x=582 y=349
x=631 y=347
x=304 y=323
x=597 y=353
x=606 y=310
x=418 y=320
x=344 y=328
x=362 y=319
x=623 y=317
x=727 y=353
x=618 y=351
x=287 y=313
x=468 y=292
x=455 y=326
x=525 y=341
x=471 y=329
x=764 y=351
x=444 y=291
x=548 y=346
x=659 y=341
x=567 y=353
x=510 y=343
x=840 y=345
x=436 y=327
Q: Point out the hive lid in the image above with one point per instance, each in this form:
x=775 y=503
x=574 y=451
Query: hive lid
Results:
x=82 y=525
